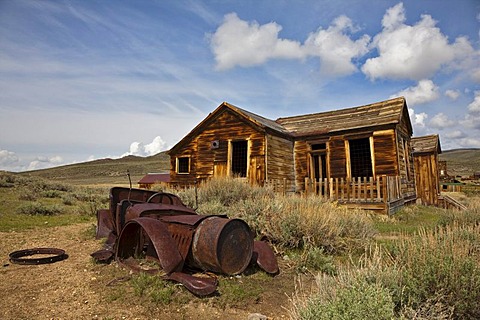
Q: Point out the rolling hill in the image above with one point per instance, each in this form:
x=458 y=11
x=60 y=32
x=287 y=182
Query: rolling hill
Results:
x=461 y=162
x=106 y=171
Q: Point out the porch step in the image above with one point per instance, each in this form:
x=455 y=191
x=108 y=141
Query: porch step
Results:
x=449 y=202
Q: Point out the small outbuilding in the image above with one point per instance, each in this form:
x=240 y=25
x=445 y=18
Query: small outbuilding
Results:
x=151 y=179
x=427 y=174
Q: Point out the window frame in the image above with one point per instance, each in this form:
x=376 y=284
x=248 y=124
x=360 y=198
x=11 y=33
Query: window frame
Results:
x=178 y=165
x=349 y=161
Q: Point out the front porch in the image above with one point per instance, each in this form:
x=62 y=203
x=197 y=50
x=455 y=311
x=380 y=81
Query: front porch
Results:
x=385 y=194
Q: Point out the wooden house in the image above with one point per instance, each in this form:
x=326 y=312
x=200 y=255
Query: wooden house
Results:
x=358 y=156
x=427 y=174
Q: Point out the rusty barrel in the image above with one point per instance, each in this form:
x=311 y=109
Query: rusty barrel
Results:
x=222 y=245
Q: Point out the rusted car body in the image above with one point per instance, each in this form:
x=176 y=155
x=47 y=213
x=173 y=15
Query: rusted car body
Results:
x=143 y=224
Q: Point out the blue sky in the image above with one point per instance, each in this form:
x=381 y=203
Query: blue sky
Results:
x=83 y=80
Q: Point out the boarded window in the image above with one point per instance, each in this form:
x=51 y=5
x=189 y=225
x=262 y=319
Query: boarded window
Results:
x=360 y=158
x=239 y=158
x=183 y=165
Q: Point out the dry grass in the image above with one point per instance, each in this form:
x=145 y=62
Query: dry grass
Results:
x=434 y=274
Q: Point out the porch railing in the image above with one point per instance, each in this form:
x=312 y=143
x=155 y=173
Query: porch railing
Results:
x=357 y=189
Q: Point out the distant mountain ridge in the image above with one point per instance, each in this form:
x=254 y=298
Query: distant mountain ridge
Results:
x=463 y=162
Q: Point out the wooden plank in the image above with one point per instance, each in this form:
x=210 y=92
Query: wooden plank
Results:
x=365 y=186
x=379 y=196
x=371 y=197
x=342 y=186
x=348 y=189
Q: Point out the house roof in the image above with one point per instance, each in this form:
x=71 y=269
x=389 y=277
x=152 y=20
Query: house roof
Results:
x=388 y=112
x=151 y=178
x=375 y=114
x=259 y=120
x=426 y=144
x=256 y=120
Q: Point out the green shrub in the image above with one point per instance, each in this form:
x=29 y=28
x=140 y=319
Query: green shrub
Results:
x=356 y=299
x=37 y=208
x=226 y=191
x=51 y=194
x=442 y=263
x=315 y=259
x=28 y=196
x=68 y=199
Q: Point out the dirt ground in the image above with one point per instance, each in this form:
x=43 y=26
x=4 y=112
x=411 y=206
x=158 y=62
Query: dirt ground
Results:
x=77 y=288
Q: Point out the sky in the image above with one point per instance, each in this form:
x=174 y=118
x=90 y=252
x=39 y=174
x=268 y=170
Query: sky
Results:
x=85 y=80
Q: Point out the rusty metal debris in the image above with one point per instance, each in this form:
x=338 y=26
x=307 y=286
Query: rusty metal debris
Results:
x=142 y=225
x=54 y=255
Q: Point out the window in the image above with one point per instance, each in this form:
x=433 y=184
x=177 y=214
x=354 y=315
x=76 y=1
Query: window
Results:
x=183 y=165
x=319 y=161
x=319 y=146
x=239 y=158
x=360 y=158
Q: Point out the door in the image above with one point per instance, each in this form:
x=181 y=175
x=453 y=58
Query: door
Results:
x=319 y=171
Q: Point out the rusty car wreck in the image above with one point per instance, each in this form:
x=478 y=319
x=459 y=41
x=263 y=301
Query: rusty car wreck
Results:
x=143 y=224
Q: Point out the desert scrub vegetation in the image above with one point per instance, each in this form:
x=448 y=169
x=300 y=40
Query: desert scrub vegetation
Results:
x=27 y=202
x=432 y=274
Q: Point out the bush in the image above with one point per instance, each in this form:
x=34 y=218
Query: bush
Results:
x=68 y=199
x=315 y=259
x=434 y=274
x=27 y=196
x=296 y=222
x=52 y=194
x=442 y=265
x=37 y=208
x=226 y=191
x=354 y=299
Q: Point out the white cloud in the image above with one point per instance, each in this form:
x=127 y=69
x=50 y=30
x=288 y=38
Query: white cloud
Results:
x=143 y=150
x=471 y=121
x=425 y=91
x=238 y=42
x=440 y=121
x=411 y=52
x=469 y=143
x=335 y=48
x=474 y=107
x=8 y=159
x=45 y=162
x=452 y=94
x=456 y=134
x=417 y=119
x=476 y=75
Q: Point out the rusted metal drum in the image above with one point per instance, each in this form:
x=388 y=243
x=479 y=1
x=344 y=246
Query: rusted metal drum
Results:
x=222 y=245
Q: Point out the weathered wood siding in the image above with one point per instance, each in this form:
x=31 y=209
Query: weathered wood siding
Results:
x=301 y=157
x=190 y=150
x=337 y=159
x=280 y=163
x=427 y=178
x=205 y=161
x=385 y=153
